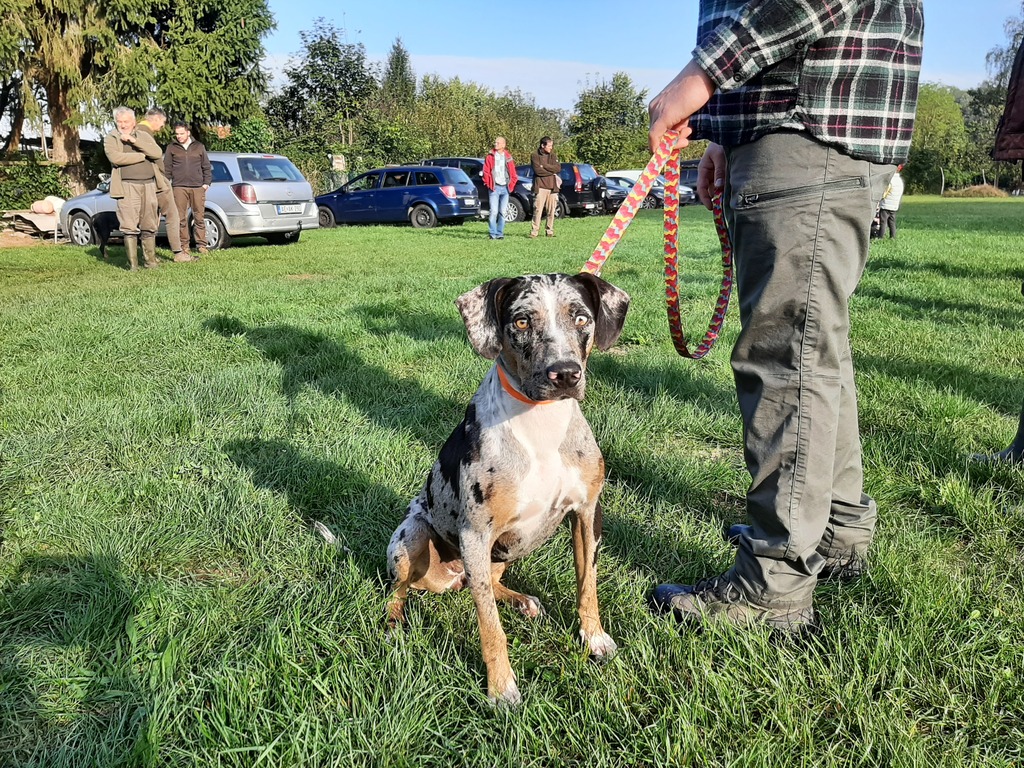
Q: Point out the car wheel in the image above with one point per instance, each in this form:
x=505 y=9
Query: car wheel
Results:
x=561 y=210
x=649 y=202
x=80 y=230
x=423 y=217
x=216 y=235
x=514 y=211
x=283 y=238
x=326 y=216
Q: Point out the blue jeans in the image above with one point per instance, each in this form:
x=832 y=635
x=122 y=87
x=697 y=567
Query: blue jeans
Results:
x=498 y=202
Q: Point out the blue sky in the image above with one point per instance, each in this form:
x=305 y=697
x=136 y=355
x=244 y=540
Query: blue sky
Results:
x=552 y=50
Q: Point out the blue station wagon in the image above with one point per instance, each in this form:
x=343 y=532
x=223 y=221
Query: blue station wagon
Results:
x=421 y=195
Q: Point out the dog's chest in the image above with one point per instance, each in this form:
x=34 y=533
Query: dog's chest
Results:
x=546 y=484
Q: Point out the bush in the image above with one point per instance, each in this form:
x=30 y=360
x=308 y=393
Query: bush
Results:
x=22 y=182
x=979 y=190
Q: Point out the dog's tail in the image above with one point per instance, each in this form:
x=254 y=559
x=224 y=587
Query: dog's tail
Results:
x=326 y=535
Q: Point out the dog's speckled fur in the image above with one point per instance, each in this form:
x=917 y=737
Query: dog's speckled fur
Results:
x=511 y=471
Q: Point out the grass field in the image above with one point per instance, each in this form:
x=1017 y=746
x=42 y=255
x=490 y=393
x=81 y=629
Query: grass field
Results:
x=168 y=438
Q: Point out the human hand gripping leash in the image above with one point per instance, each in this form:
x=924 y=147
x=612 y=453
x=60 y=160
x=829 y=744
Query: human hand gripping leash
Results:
x=666 y=157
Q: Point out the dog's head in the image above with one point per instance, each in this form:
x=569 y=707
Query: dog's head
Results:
x=543 y=328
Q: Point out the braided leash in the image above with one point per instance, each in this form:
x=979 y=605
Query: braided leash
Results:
x=667 y=157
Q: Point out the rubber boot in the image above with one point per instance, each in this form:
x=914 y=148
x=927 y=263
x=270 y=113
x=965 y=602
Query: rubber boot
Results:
x=1014 y=454
x=131 y=247
x=149 y=250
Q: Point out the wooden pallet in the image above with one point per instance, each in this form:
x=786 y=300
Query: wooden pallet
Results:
x=43 y=225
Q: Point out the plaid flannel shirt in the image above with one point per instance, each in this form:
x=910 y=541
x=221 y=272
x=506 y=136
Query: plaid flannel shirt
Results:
x=845 y=71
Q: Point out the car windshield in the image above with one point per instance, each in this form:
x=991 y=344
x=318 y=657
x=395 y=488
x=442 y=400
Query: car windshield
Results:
x=268 y=169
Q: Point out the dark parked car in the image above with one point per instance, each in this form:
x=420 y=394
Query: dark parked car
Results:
x=656 y=196
x=520 y=202
x=418 y=194
x=582 y=191
x=616 y=190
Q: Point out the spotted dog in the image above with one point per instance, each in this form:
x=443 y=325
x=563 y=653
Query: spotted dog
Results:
x=522 y=459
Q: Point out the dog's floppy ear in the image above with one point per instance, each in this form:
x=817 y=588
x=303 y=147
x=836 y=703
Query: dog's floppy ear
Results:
x=612 y=304
x=479 y=309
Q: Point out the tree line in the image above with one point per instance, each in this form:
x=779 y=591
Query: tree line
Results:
x=66 y=65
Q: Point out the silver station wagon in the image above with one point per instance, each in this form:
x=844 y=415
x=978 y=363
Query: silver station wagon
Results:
x=251 y=194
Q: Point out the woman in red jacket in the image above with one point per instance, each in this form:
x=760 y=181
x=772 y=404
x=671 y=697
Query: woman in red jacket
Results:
x=499 y=178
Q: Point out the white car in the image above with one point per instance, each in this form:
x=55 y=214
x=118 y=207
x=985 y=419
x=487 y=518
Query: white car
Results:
x=251 y=194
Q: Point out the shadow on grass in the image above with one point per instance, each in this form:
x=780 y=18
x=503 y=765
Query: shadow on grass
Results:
x=884 y=262
x=360 y=512
x=950 y=312
x=314 y=360
x=70 y=691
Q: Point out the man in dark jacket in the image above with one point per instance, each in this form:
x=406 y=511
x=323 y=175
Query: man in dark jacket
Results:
x=1010 y=147
x=188 y=168
x=546 y=183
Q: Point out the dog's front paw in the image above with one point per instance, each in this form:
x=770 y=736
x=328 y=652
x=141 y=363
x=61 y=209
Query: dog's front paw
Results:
x=601 y=645
x=509 y=697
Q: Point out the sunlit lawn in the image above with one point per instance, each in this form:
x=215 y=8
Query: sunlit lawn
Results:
x=168 y=438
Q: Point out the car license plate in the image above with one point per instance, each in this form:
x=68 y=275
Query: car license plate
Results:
x=291 y=208
x=469 y=201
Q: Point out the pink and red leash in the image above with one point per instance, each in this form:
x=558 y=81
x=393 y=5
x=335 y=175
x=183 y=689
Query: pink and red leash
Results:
x=666 y=157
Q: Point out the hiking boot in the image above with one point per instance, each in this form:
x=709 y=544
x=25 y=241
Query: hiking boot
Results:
x=718 y=599
x=842 y=568
x=182 y=257
x=204 y=251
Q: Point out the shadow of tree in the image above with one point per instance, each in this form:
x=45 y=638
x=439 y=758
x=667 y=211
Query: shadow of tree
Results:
x=894 y=262
x=70 y=689
x=356 y=508
x=945 y=310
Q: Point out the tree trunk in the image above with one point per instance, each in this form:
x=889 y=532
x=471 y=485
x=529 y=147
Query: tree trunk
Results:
x=17 y=129
x=66 y=148
x=65 y=135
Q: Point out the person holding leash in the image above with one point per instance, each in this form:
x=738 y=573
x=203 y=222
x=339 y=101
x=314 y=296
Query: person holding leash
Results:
x=808 y=107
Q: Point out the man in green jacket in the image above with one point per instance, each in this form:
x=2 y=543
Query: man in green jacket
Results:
x=134 y=183
x=153 y=123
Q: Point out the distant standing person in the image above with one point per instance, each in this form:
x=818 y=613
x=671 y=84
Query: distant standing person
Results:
x=890 y=204
x=499 y=178
x=134 y=182
x=546 y=184
x=153 y=123
x=190 y=173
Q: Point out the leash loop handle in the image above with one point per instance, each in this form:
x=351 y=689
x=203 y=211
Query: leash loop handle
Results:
x=666 y=158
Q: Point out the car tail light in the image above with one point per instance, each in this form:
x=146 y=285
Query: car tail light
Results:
x=448 y=190
x=579 y=179
x=246 y=193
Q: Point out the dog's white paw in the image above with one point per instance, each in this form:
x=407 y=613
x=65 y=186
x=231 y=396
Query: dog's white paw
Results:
x=325 y=533
x=510 y=697
x=530 y=607
x=601 y=646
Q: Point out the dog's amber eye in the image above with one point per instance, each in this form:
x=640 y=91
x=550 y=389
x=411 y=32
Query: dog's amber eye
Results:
x=521 y=323
x=581 y=320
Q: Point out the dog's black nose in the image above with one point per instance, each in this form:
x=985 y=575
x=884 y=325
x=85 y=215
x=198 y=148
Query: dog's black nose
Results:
x=566 y=374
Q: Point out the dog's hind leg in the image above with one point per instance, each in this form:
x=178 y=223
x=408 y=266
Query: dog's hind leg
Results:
x=417 y=558
x=527 y=605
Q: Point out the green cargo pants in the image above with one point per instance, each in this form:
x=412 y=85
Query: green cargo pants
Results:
x=799 y=214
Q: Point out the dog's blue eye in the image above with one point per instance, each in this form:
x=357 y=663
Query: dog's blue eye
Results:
x=581 y=320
